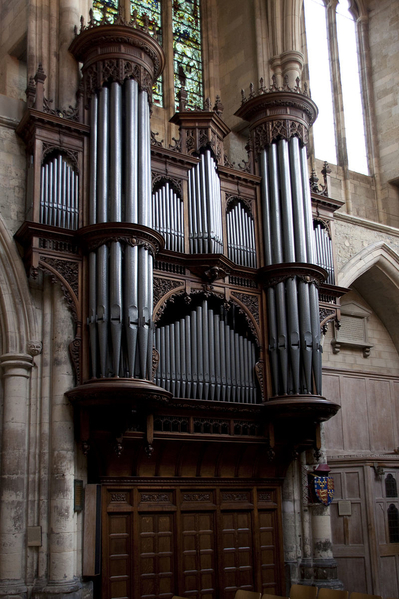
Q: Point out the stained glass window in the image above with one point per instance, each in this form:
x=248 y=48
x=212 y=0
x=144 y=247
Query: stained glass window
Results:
x=187 y=55
x=152 y=8
x=110 y=6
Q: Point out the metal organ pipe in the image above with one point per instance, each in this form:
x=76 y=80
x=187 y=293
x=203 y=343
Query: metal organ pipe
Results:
x=241 y=236
x=294 y=337
x=120 y=296
x=204 y=357
x=205 y=216
x=167 y=212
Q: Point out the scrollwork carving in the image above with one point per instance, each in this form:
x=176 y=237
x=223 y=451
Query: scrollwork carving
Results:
x=259 y=370
x=51 y=148
x=266 y=133
x=158 y=180
x=251 y=302
x=163 y=286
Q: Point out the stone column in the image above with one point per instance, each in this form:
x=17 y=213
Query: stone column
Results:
x=14 y=479
x=324 y=564
x=68 y=74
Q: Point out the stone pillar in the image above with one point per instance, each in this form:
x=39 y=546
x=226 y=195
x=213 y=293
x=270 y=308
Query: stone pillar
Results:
x=291 y=515
x=68 y=73
x=62 y=579
x=291 y=65
x=324 y=564
x=14 y=471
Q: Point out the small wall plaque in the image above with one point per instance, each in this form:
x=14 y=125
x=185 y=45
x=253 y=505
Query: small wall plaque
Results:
x=78 y=495
x=344 y=508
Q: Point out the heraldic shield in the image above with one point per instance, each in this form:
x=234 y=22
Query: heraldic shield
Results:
x=324 y=489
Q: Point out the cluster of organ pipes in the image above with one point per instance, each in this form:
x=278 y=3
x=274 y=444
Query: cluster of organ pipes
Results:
x=293 y=310
x=120 y=289
x=167 y=212
x=324 y=253
x=206 y=234
x=206 y=354
x=59 y=194
x=241 y=236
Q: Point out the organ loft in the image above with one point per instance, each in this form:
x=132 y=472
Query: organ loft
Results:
x=195 y=294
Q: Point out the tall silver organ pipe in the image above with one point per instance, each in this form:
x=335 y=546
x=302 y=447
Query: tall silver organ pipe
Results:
x=205 y=215
x=121 y=292
x=59 y=193
x=324 y=254
x=204 y=356
x=294 y=329
x=167 y=216
x=241 y=235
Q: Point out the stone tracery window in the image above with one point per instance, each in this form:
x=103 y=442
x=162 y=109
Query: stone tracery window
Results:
x=334 y=72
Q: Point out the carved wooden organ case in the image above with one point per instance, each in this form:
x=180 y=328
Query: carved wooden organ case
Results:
x=194 y=283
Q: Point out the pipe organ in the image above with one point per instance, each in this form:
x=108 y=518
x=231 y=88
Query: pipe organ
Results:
x=241 y=235
x=168 y=217
x=294 y=338
x=207 y=353
x=204 y=207
x=219 y=335
x=290 y=275
x=120 y=302
x=59 y=193
x=324 y=252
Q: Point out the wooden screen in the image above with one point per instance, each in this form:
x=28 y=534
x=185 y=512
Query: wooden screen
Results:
x=195 y=543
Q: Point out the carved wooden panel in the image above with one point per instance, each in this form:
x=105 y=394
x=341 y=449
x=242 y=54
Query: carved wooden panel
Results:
x=199 y=542
x=119 y=579
x=268 y=552
x=237 y=559
x=198 y=555
x=157 y=575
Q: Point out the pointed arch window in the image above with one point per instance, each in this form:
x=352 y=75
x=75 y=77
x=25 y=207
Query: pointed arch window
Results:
x=187 y=52
x=334 y=73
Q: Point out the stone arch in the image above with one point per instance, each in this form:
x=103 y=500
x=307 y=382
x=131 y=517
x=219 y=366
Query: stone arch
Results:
x=377 y=254
x=18 y=325
x=374 y=273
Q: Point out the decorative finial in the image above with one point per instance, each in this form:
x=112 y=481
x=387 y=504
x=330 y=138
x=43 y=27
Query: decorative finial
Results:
x=218 y=108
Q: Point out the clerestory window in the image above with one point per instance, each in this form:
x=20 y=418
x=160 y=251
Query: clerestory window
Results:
x=179 y=32
x=335 y=83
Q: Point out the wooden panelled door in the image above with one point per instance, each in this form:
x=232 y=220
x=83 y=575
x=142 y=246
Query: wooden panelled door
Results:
x=196 y=543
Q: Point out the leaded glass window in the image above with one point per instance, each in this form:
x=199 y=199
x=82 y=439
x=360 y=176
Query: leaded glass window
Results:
x=187 y=55
x=393 y=524
x=109 y=6
x=390 y=486
x=152 y=8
